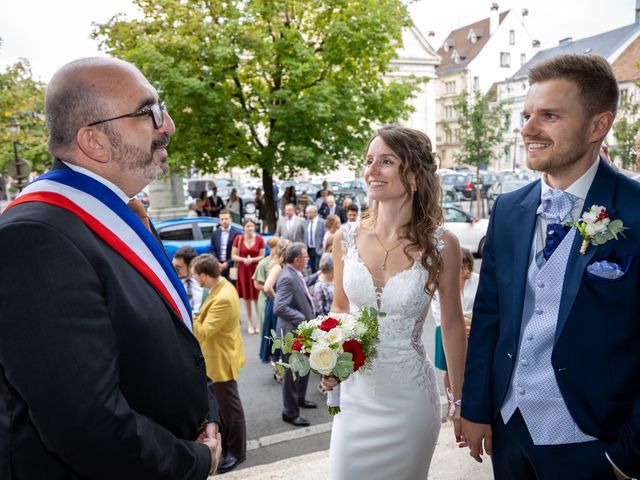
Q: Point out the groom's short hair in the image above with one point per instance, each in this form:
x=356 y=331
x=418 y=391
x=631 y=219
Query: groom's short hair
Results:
x=592 y=74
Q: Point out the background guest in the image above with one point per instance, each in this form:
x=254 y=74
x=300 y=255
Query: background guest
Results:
x=217 y=328
x=323 y=289
x=222 y=242
x=247 y=251
x=313 y=237
x=270 y=319
x=182 y=265
x=289 y=196
x=290 y=226
x=234 y=205
x=203 y=207
x=259 y=277
x=293 y=305
x=331 y=226
x=261 y=211
x=331 y=208
x=468 y=288
x=216 y=205
x=352 y=214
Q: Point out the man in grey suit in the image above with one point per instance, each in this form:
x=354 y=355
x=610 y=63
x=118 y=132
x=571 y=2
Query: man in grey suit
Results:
x=290 y=226
x=293 y=305
x=313 y=237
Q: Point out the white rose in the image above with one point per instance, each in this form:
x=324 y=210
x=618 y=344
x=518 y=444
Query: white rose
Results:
x=332 y=336
x=323 y=359
x=593 y=228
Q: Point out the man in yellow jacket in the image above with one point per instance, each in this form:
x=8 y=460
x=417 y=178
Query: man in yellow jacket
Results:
x=217 y=328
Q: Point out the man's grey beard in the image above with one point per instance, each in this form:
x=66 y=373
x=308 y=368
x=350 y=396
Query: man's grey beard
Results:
x=136 y=160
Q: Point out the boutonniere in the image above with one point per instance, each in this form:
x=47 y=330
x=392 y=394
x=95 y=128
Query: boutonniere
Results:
x=596 y=227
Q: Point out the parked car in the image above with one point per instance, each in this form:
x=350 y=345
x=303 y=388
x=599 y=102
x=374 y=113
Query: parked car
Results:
x=248 y=197
x=358 y=196
x=503 y=186
x=357 y=184
x=468 y=190
x=195 y=186
x=195 y=232
x=454 y=181
x=471 y=231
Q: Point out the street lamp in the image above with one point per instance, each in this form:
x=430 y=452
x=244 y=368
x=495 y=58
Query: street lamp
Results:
x=19 y=169
x=516 y=132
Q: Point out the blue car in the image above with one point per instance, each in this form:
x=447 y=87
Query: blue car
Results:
x=195 y=232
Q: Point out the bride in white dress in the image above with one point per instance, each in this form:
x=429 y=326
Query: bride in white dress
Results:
x=393 y=260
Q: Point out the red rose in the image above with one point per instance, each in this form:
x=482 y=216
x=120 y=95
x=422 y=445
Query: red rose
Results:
x=328 y=324
x=355 y=349
x=297 y=346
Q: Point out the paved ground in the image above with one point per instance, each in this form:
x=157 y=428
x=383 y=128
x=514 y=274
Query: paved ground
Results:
x=449 y=463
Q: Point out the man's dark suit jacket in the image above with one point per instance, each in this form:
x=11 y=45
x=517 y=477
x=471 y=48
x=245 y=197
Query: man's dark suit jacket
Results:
x=595 y=353
x=216 y=243
x=99 y=378
x=324 y=212
x=291 y=305
x=218 y=204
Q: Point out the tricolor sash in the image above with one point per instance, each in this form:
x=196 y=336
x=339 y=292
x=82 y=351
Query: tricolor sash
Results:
x=111 y=219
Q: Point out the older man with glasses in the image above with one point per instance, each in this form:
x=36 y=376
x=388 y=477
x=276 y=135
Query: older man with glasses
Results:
x=100 y=374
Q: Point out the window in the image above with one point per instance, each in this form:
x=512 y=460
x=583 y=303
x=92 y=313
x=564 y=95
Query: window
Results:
x=448 y=137
x=523 y=59
x=476 y=83
x=207 y=229
x=450 y=87
x=512 y=37
x=453 y=215
x=176 y=232
x=449 y=112
x=505 y=59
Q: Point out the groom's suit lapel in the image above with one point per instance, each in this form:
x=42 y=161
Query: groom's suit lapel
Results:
x=600 y=193
x=523 y=229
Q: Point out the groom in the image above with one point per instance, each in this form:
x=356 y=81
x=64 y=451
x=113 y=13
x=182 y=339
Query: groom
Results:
x=552 y=384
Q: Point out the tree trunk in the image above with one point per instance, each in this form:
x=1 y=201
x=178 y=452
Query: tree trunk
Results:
x=478 y=192
x=269 y=202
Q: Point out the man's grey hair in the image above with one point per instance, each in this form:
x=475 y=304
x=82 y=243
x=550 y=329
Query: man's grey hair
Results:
x=311 y=208
x=293 y=251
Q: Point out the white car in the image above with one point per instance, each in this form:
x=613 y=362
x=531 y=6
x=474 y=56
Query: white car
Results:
x=470 y=230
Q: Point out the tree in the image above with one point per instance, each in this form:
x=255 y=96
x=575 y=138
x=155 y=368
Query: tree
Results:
x=277 y=86
x=625 y=129
x=22 y=118
x=481 y=126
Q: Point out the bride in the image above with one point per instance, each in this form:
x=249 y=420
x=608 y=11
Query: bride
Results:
x=394 y=260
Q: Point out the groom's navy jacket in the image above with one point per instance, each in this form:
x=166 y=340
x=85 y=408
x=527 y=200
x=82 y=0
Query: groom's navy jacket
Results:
x=596 y=355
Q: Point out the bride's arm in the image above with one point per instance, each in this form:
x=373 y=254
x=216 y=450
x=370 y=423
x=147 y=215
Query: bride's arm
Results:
x=452 y=321
x=340 y=301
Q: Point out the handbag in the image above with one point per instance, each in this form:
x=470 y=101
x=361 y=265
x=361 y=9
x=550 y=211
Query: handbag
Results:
x=233 y=271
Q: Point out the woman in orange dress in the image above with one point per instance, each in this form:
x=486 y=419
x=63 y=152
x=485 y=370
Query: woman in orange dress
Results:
x=248 y=249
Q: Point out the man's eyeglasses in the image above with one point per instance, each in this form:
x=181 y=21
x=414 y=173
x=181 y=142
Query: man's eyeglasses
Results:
x=155 y=111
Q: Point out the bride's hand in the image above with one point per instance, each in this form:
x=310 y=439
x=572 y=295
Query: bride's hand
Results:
x=328 y=382
x=457 y=429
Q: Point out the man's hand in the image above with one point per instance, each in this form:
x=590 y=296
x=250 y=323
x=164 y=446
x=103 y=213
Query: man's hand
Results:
x=210 y=437
x=224 y=266
x=475 y=434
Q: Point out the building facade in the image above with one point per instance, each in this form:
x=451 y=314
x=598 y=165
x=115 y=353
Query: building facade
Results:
x=474 y=58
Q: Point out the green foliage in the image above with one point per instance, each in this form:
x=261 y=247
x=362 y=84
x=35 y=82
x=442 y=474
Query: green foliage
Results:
x=276 y=86
x=625 y=129
x=22 y=103
x=481 y=127
x=369 y=317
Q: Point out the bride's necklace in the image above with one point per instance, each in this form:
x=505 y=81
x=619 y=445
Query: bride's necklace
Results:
x=386 y=252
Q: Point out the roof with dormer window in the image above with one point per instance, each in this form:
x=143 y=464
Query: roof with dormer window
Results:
x=461 y=39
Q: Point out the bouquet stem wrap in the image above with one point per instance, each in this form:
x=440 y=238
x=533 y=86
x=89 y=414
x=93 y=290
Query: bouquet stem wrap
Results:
x=333 y=400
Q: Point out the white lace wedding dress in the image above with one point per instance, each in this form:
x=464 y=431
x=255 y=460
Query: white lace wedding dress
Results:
x=390 y=420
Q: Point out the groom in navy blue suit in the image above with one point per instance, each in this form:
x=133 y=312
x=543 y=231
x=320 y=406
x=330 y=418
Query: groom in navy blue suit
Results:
x=552 y=381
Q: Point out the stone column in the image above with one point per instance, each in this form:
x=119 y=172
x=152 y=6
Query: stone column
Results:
x=166 y=198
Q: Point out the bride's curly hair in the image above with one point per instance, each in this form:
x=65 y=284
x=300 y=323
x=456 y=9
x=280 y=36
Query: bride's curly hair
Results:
x=414 y=149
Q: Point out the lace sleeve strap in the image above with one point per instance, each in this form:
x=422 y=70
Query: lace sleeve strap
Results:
x=348 y=236
x=438 y=238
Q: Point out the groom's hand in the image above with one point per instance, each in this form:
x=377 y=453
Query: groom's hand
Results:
x=475 y=434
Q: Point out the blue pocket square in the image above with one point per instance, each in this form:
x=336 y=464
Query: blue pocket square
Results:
x=604 y=269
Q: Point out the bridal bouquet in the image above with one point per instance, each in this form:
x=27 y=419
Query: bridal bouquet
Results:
x=336 y=344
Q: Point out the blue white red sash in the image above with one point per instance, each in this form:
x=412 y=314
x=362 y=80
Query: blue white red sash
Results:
x=113 y=221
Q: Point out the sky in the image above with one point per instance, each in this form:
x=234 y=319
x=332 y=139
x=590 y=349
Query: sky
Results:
x=50 y=33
